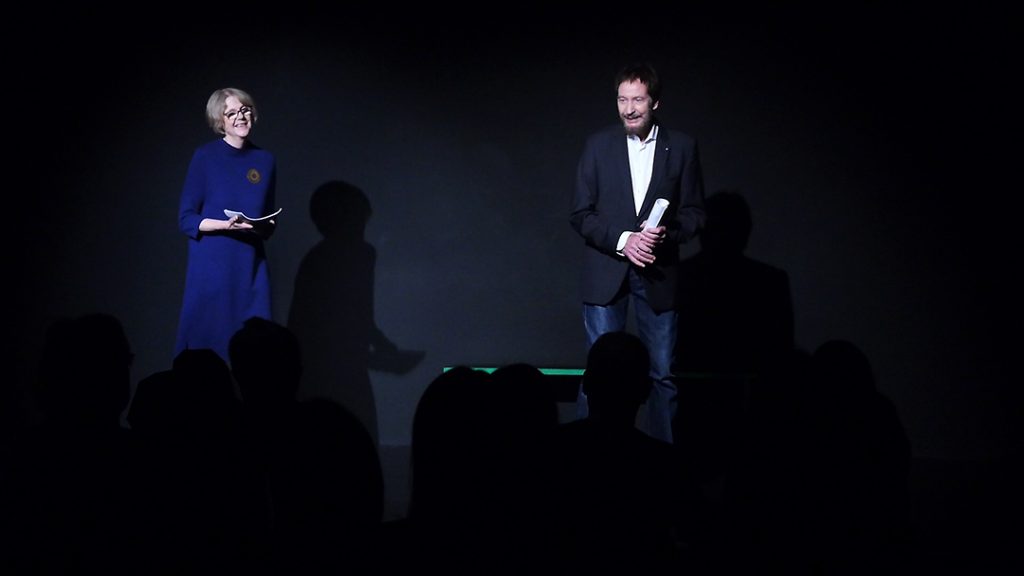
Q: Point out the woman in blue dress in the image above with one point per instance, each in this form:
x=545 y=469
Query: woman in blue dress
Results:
x=227 y=280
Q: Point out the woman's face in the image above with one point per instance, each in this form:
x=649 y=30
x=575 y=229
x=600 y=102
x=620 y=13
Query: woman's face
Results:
x=237 y=119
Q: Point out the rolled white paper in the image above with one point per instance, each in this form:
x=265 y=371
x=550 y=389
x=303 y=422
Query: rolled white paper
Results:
x=659 y=208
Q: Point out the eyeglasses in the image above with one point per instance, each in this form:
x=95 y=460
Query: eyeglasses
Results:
x=243 y=111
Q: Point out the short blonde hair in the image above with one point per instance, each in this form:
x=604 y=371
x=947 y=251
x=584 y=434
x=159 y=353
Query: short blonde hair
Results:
x=216 y=106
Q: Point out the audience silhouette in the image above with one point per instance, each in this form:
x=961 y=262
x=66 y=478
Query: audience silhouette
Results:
x=226 y=470
x=528 y=409
x=616 y=495
x=859 y=495
x=753 y=516
x=201 y=509
x=68 y=483
x=451 y=476
x=820 y=483
x=525 y=416
x=319 y=464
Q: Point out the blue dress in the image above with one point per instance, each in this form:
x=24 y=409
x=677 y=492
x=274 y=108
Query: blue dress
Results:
x=227 y=280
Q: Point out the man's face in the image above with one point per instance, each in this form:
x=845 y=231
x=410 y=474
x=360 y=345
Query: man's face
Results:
x=636 y=108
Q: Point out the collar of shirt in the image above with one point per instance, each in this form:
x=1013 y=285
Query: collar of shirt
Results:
x=652 y=136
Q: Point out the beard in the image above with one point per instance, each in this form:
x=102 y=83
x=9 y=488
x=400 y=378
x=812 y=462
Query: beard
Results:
x=640 y=129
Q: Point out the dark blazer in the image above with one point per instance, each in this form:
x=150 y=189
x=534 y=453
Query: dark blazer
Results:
x=602 y=208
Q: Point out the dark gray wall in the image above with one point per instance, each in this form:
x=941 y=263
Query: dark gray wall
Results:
x=867 y=145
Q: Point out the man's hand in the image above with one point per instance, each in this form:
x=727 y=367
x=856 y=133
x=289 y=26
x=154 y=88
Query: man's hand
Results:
x=639 y=248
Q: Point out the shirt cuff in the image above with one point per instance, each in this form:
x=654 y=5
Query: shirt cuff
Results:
x=622 y=241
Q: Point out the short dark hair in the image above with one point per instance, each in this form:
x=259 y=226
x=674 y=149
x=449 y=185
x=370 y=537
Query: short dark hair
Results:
x=643 y=73
x=266 y=360
x=617 y=370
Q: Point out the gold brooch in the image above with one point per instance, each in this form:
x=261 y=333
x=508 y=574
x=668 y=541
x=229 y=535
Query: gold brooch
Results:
x=253 y=175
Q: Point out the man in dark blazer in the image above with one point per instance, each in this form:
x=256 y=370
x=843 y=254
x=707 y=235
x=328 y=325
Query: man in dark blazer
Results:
x=622 y=171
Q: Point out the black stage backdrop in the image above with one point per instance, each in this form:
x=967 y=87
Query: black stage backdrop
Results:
x=868 y=144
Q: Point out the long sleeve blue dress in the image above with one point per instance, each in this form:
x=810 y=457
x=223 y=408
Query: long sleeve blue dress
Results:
x=227 y=280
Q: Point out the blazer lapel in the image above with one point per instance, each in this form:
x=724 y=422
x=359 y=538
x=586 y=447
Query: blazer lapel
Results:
x=627 y=177
x=662 y=148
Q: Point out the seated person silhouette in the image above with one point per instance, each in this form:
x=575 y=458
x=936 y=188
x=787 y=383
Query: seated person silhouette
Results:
x=616 y=490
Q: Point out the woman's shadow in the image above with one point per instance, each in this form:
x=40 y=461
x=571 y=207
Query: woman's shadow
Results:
x=332 y=310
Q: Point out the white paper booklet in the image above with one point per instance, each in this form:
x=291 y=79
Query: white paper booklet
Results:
x=250 y=219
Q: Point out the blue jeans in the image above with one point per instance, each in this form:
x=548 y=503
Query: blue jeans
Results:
x=658 y=333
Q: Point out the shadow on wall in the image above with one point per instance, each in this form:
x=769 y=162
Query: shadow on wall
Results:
x=332 y=309
x=736 y=313
x=736 y=323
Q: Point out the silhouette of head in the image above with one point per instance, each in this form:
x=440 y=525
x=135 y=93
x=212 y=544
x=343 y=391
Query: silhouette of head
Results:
x=843 y=367
x=450 y=435
x=206 y=392
x=617 y=377
x=728 y=224
x=155 y=407
x=266 y=360
x=528 y=398
x=339 y=209
x=85 y=370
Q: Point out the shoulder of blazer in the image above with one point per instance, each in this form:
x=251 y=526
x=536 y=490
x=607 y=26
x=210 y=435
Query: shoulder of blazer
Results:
x=668 y=137
x=610 y=133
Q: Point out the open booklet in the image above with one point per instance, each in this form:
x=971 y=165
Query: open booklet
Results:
x=243 y=218
x=262 y=226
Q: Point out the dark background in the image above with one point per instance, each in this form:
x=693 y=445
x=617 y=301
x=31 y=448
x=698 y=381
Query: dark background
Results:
x=871 y=145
